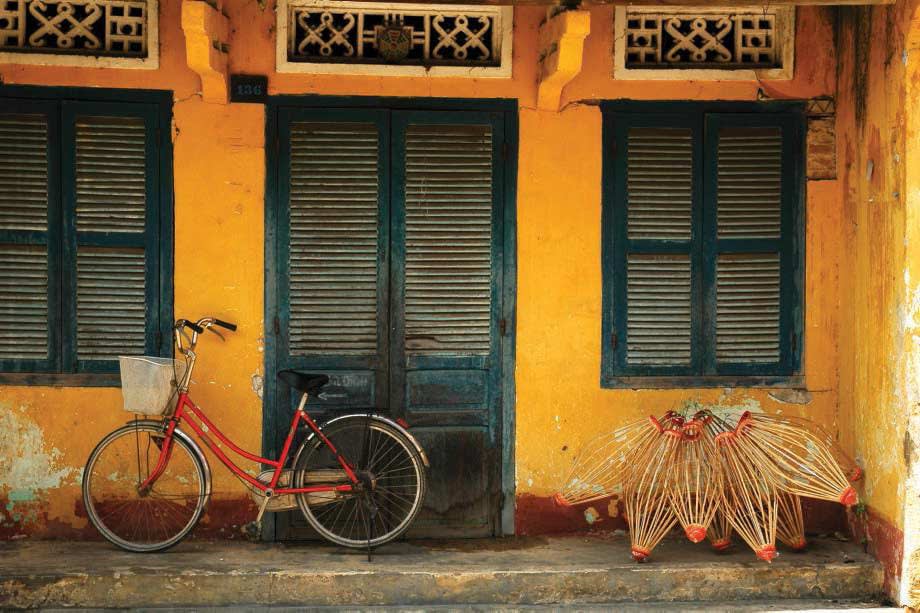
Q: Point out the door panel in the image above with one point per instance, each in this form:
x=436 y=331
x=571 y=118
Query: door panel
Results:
x=333 y=252
x=445 y=366
x=389 y=256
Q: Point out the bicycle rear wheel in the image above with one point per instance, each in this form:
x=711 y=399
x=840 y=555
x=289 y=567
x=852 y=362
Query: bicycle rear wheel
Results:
x=159 y=518
x=391 y=493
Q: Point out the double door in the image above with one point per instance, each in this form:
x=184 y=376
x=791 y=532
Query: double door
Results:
x=388 y=238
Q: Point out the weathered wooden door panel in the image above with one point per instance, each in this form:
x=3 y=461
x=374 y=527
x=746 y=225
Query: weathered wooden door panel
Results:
x=331 y=261
x=389 y=259
x=445 y=366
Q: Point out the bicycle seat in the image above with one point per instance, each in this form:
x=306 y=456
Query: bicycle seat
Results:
x=305 y=382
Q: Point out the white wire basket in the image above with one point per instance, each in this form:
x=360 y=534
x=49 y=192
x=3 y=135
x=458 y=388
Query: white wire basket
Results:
x=148 y=384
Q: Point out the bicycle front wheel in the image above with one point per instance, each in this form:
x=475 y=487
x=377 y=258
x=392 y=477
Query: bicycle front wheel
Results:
x=153 y=520
x=390 y=493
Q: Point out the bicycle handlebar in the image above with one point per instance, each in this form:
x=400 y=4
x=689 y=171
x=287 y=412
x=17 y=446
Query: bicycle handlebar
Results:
x=184 y=323
x=198 y=328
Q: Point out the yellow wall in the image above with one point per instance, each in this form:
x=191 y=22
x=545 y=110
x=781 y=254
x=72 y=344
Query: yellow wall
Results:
x=219 y=177
x=878 y=128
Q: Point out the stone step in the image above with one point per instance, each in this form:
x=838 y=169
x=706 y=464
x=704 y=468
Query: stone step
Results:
x=521 y=571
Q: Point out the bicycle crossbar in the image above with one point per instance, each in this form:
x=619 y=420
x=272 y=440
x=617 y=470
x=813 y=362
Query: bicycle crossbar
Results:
x=186 y=408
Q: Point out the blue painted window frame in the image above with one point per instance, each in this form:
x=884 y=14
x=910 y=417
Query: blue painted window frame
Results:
x=704 y=120
x=61 y=105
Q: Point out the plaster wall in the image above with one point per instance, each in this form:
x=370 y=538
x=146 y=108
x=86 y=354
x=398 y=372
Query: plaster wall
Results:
x=878 y=130
x=219 y=192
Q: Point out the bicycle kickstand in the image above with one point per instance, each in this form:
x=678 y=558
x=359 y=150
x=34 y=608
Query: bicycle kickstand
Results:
x=264 y=504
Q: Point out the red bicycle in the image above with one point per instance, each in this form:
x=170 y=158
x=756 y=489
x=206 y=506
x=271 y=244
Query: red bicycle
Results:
x=359 y=479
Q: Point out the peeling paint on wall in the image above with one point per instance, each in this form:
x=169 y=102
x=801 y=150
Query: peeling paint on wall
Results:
x=26 y=466
x=257 y=384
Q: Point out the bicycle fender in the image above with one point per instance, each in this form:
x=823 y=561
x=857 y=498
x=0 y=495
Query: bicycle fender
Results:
x=191 y=442
x=388 y=422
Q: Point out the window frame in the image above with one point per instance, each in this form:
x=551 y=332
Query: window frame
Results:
x=704 y=118
x=63 y=368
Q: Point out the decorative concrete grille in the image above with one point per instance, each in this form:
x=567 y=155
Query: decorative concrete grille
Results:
x=401 y=35
x=724 y=39
x=714 y=41
x=115 y=28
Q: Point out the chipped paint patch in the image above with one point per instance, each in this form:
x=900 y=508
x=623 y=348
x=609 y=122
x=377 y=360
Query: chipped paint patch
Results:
x=591 y=515
x=258 y=384
x=26 y=466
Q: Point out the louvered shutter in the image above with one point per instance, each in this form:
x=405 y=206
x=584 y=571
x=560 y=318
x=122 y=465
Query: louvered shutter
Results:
x=113 y=164
x=333 y=242
x=448 y=200
x=749 y=232
x=24 y=261
x=448 y=274
x=702 y=266
x=659 y=201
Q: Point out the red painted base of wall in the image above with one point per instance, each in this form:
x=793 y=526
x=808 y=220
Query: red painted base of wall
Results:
x=884 y=541
x=538 y=515
x=223 y=519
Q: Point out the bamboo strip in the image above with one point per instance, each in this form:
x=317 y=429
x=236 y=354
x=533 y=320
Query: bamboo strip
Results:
x=603 y=465
x=798 y=462
x=695 y=484
x=749 y=498
x=648 y=513
x=790 y=522
x=720 y=531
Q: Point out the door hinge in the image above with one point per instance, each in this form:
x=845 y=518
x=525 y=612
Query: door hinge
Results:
x=795 y=339
x=502 y=326
x=613 y=339
x=276 y=325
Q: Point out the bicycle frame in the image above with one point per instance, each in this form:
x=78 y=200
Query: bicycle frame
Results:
x=186 y=408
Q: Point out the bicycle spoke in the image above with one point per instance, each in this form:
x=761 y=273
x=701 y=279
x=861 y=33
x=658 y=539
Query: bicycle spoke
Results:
x=388 y=468
x=114 y=504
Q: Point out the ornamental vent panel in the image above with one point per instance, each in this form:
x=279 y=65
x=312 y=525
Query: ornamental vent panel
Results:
x=118 y=33
x=393 y=39
x=705 y=43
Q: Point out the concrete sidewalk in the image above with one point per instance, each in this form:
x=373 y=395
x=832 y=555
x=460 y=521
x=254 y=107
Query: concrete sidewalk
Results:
x=526 y=571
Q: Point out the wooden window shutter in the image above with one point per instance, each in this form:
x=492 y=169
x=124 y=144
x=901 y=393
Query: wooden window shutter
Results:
x=449 y=202
x=114 y=188
x=655 y=245
x=702 y=244
x=749 y=213
x=333 y=258
x=24 y=231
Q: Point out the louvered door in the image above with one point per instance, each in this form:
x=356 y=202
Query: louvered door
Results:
x=445 y=361
x=332 y=254
x=389 y=243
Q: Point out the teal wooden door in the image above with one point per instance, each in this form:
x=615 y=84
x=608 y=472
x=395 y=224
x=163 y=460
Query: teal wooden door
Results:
x=388 y=276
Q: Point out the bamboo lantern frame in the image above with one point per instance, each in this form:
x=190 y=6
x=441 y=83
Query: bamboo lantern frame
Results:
x=720 y=531
x=799 y=462
x=648 y=511
x=790 y=522
x=604 y=464
x=749 y=498
x=695 y=484
x=850 y=468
